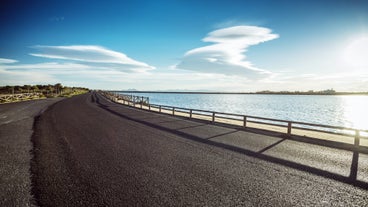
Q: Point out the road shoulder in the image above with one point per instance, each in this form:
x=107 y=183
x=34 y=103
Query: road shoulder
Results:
x=16 y=128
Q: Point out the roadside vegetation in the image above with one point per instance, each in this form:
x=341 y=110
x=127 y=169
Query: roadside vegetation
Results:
x=30 y=92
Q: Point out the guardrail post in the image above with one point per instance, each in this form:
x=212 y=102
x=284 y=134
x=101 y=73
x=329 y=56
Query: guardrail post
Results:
x=190 y=113
x=213 y=116
x=289 y=128
x=244 y=121
x=357 y=138
x=149 y=107
x=159 y=109
x=173 y=111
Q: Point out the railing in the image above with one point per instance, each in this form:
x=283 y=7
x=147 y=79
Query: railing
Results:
x=284 y=126
x=127 y=99
x=18 y=97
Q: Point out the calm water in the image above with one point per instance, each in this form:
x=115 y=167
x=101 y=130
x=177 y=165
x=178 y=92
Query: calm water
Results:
x=348 y=111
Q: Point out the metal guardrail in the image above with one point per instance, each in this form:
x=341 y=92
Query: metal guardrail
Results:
x=245 y=119
x=130 y=99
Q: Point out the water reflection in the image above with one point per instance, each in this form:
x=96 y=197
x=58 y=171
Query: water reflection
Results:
x=355 y=111
x=346 y=111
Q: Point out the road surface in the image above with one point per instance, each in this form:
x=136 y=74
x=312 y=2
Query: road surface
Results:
x=16 y=122
x=89 y=151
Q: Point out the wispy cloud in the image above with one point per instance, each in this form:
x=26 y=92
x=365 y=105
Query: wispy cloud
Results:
x=43 y=66
x=91 y=54
x=226 y=54
x=56 y=19
x=14 y=77
x=83 y=63
x=7 y=61
x=39 y=73
x=236 y=22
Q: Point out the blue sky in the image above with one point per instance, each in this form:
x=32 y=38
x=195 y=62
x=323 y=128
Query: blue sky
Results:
x=186 y=45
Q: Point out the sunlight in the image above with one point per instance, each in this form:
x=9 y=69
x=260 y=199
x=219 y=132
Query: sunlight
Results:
x=356 y=111
x=356 y=53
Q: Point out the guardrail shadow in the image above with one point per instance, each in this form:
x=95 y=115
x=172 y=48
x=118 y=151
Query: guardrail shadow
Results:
x=351 y=179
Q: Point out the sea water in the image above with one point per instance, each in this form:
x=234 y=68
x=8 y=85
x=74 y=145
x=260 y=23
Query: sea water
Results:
x=339 y=110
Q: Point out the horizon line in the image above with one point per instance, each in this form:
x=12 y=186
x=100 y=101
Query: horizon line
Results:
x=259 y=92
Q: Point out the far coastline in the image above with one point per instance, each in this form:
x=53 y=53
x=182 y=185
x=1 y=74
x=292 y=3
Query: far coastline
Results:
x=267 y=92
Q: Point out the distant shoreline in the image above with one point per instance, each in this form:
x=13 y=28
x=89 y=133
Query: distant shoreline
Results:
x=248 y=93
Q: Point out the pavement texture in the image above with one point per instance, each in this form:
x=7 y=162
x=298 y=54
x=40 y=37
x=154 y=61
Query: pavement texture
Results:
x=92 y=152
x=16 y=123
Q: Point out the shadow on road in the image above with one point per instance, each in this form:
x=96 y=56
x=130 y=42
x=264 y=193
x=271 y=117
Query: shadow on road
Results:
x=149 y=118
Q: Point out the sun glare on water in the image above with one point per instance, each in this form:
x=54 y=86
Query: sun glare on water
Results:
x=356 y=111
x=356 y=53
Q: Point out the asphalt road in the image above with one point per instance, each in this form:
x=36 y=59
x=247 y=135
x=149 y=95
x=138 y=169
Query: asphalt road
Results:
x=91 y=152
x=16 y=123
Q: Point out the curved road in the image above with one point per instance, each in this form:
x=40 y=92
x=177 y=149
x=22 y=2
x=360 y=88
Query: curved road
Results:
x=16 y=123
x=91 y=152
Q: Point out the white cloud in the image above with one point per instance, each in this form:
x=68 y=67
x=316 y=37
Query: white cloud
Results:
x=91 y=54
x=39 y=73
x=57 y=19
x=226 y=54
x=84 y=63
x=11 y=77
x=42 y=66
x=7 y=61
